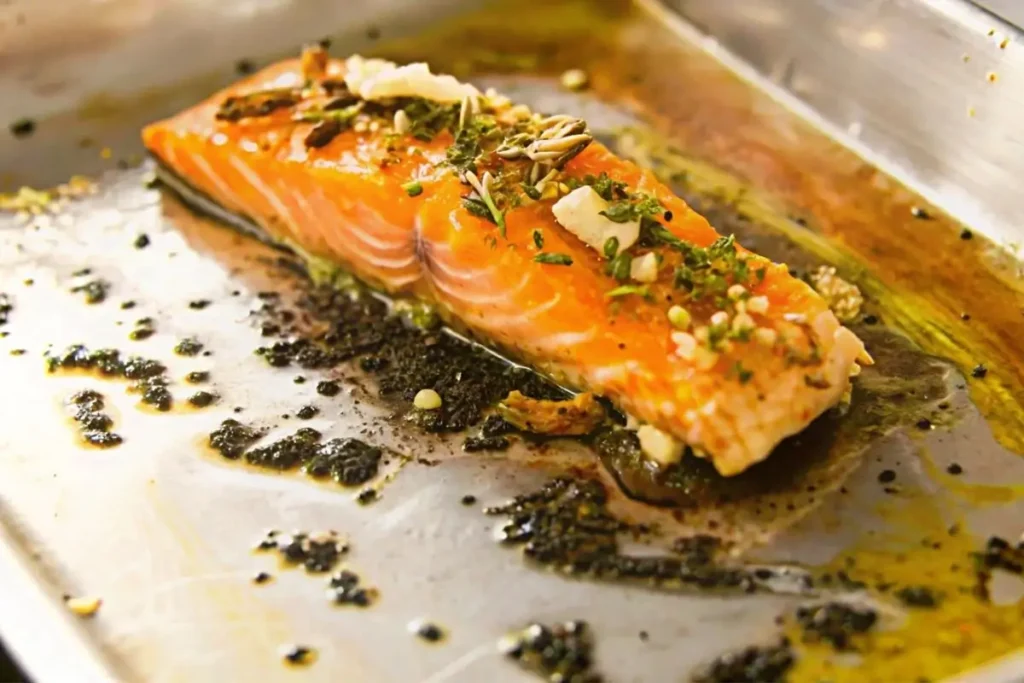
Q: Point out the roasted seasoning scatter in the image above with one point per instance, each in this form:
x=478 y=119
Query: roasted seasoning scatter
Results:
x=316 y=552
x=144 y=329
x=202 y=399
x=427 y=631
x=95 y=291
x=22 y=128
x=232 y=437
x=476 y=444
x=345 y=588
x=563 y=652
x=835 y=623
x=404 y=358
x=286 y=453
x=918 y=596
x=95 y=425
x=298 y=654
x=768 y=664
x=307 y=412
x=188 y=347
x=567 y=527
x=998 y=554
x=6 y=306
x=367 y=496
x=148 y=376
x=349 y=462
x=328 y=388
x=197 y=377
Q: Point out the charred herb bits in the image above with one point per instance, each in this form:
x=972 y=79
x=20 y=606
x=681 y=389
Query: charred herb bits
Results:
x=562 y=652
x=95 y=425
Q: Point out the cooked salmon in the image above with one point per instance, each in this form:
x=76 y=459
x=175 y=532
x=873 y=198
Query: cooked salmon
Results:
x=522 y=230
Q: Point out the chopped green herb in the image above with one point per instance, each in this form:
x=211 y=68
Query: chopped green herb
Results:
x=428 y=118
x=611 y=247
x=478 y=208
x=618 y=267
x=538 y=239
x=606 y=187
x=742 y=374
x=626 y=290
x=531 y=191
x=464 y=151
x=413 y=188
x=553 y=259
x=637 y=207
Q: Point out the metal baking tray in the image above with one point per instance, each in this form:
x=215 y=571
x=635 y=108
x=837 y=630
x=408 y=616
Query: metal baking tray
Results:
x=873 y=136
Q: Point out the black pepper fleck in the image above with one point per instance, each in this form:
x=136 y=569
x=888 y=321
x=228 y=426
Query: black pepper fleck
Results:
x=201 y=399
x=468 y=499
x=327 y=388
x=924 y=424
x=955 y=469
x=142 y=241
x=298 y=654
x=886 y=476
x=22 y=128
x=429 y=632
x=979 y=371
x=199 y=304
x=966 y=234
x=919 y=213
x=261 y=577
x=307 y=412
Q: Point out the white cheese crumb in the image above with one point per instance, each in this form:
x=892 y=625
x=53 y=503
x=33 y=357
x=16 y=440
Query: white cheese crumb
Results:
x=686 y=344
x=758 y=304
x=719 y=318
x=378 y=79
x=644 y=268
x=85 y=606
x=659 y=446
x=427 y=399
x=579 y=212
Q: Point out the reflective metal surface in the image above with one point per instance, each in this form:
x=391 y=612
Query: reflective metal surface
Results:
x=925 y=89
x=163 y=532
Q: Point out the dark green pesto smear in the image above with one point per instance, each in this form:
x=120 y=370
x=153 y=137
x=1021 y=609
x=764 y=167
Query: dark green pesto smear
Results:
x=563 y=652
x=148 y=377
x=566 y=527
x=316 y=552
x=403 y=357
x=754 y=664
x=95 y=425
x=347 y=461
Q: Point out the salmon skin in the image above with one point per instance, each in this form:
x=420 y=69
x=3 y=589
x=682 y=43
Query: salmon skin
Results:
x=523 y=230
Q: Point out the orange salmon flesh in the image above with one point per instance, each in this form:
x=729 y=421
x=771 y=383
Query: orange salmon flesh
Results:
x=754 y=356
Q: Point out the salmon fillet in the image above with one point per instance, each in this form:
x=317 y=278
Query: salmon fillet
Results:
x=523 y=231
